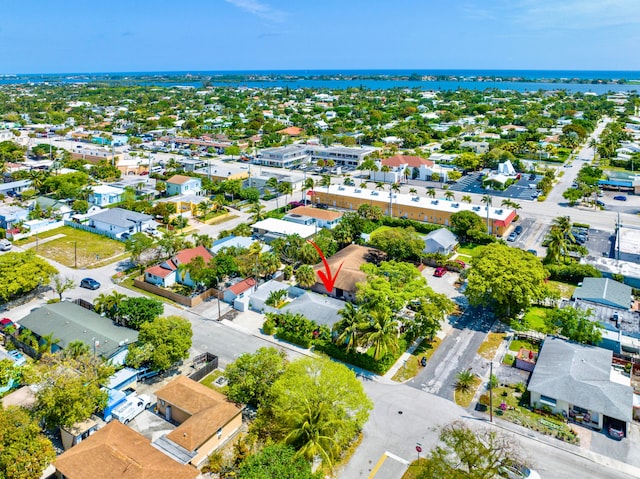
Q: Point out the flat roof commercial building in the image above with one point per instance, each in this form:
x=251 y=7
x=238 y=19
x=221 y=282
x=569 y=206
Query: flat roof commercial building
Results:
x=413 y=207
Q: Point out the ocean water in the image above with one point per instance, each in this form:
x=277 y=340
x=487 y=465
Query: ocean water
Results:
x=519 y=80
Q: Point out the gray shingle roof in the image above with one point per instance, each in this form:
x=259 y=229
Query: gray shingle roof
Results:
x=69 y=322
x=442 y=237
x=604 y=291
x=321 y=309
x=120 y=217
x=581 y=376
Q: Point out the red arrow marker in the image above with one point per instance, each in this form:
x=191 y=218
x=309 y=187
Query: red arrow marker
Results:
x=327 y=278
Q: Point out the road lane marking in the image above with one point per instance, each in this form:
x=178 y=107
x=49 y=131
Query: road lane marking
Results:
x=374 y=471
x=397 y=458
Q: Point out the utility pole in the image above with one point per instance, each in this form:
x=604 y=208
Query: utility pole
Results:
x=75 y=254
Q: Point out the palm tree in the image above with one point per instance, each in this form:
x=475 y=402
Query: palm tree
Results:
x=487 y=200
x=202 y=240
x=350 y=327
x=382 y=332
x=368 y=165
x=431 y=192
x=286 y=189
x=413 y=191
x=467 y=199
x=76 y=349
x=393 y=188
x=312 y=430
x=565 y=225
x=363 y=185
x=449 y=195
x=593 y=143
x=272 y=184
x=406 y=173
x=46 y=344
x=269 y=263
x=556 y=244
x=308 y=185
x=203 y=208
x=464 y=380
x=257 y=212
x=326 y=181
x=105 y=303
x=305 y=276
x=379 y=185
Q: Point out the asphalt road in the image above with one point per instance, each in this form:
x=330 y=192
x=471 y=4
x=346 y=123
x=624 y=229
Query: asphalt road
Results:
x=456 y=352
x=404 y=416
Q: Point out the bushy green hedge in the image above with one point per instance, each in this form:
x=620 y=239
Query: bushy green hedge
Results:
x=572 y=273
x=363 y=361
x=419 y=226
x=294 y=338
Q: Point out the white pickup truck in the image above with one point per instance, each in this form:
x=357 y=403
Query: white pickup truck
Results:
x=131 y=407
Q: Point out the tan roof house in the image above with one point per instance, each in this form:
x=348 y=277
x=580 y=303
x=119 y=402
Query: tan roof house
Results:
x=118 y=452
x=206 y=419
x=351 y=258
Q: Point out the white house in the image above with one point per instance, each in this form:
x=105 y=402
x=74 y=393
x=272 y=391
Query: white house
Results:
x=181 y=185
x=116 y=221
x=166 y=274
x=104 y=195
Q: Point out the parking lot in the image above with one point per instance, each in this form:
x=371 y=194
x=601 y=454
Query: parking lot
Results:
x=521 y=190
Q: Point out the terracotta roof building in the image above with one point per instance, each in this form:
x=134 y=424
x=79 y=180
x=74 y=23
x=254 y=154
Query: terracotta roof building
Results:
x=410 y=161
x=118 y=452
x=205 y=416
x=351 y=258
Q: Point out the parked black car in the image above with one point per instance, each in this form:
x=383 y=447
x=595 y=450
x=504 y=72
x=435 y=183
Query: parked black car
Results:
x=89 y=283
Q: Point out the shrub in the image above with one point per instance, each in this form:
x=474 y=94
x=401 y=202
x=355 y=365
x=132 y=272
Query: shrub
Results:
x=269 y=327
x=542 y=197
x=572 y=273
x=363 y=361
x=420 y=227
x=294 y=338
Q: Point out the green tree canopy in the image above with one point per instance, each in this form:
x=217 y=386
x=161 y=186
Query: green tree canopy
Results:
x=574 y=324
x=464 y=222
x=251 y=375
x=400 y=244
x=276 y=461
x=21 y=273
x=162 y=342
x=137 y=244
x=392 y=284
x=71 y=388
x=24 y=451
x=505 y=278
x=470 y=453
x=134 y=312
x=317 y=406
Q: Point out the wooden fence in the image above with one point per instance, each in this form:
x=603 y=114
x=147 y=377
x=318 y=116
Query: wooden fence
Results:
x=209 y=362
x=189 y=301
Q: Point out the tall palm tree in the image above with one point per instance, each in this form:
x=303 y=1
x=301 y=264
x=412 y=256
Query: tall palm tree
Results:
x=257 y=212
x=431 y=192
x=75 y=349
x=202 y=240
x=308 y=185
x=464 y=380
x=449 y=195
x=203 y=208
x=379 y=185
x=286 y=189
x=487 y=200
x=305 y=276
x=565 y=225
x=467 y=199
x=312 y=429
x=350 y=327
x=326 y=182
x=556 y=244
x=382 y=332
x=272 y=184
x=593 y=143
x=393 y=188
x=269 y=263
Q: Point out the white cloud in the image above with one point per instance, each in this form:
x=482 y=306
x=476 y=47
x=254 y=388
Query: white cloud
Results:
x=262 y=10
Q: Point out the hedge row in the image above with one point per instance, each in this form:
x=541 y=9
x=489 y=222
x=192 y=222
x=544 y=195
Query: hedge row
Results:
x=359 y=360
x=419 y=226
x=294 y=338
x=572 y=273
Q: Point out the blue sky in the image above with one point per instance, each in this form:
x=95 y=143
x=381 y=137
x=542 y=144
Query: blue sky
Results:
x=39 y=36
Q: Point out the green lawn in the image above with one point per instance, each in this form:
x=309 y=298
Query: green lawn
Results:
x=469 y=249
x=565 y=289
x=209 y=379
x=91 y=250
x=534 y=319
x=516 y=344
x=380 y=229
x=411 y=368
x=464 y=398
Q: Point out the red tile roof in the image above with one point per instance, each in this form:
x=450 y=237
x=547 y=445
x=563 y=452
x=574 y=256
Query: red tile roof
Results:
x=187 y=255
x=159 y=271
x=291 y=131
x=242 y=286
x=412 y=161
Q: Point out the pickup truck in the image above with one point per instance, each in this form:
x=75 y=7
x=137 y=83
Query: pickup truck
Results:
x=131 y=407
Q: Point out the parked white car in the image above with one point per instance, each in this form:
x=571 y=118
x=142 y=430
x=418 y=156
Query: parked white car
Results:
x=131 y=407
x=5 y=245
